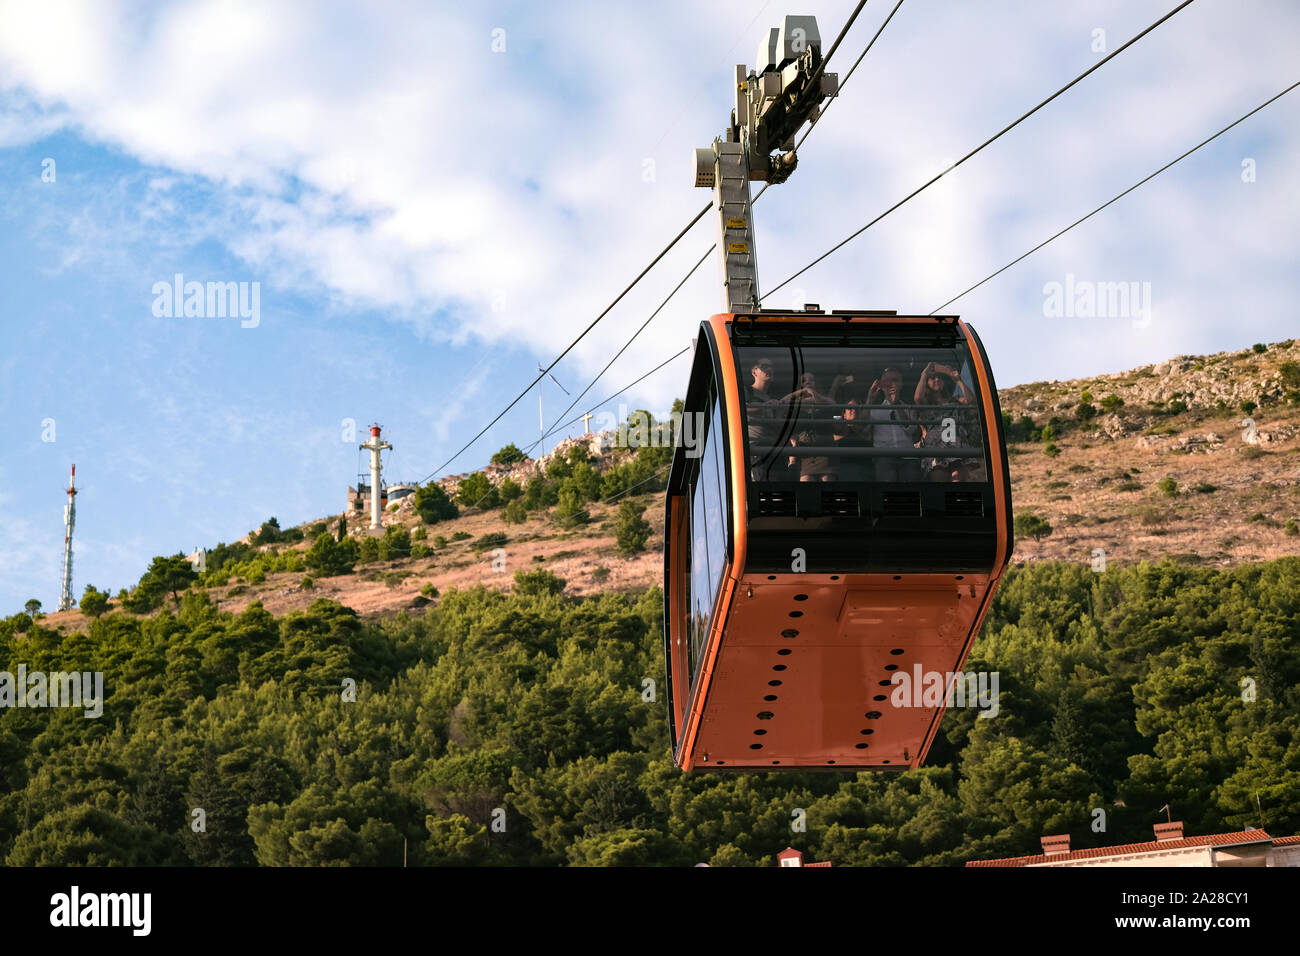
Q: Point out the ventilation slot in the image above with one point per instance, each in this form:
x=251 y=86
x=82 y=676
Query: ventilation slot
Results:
x=901 y=504
x=775 y=504
x=840 y=503
x=968 y=503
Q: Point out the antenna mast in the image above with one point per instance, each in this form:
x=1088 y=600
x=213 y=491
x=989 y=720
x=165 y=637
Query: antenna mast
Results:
x=69 y=522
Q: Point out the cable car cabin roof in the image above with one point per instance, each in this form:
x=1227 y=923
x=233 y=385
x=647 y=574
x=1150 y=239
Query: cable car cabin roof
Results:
x=879 y=323
x=777 y=663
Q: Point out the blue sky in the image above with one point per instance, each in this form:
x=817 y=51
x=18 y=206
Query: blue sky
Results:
x=428 y=218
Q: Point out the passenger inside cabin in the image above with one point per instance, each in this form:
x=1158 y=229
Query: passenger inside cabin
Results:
x=760 y=415
x=813 y=409
x=852 y=432
x=893 y=427
x=947 y=423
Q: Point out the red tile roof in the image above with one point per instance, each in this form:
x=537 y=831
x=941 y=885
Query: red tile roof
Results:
x=1214 y=839
x=1286 y=841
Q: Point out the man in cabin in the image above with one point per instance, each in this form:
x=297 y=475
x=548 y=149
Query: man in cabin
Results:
x=893 y=428
x=761 y=430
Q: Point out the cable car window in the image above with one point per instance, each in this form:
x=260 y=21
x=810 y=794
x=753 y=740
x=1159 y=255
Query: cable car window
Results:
x=851 y=412
x=707 y=528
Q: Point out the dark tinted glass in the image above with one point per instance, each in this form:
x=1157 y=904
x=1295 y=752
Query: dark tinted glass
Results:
x=855 y=413
x=706 y=494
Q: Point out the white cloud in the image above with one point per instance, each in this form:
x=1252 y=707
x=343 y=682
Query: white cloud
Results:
x=389 y=158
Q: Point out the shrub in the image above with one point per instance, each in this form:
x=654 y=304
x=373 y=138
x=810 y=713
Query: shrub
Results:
x=1085 y=396
x=1153 y=517
x=1248 y=406
x=420 y=550
x=475 y=491
x=1031 y=526
x=461 y=536
x=1085 y=412
x=495 y=539
x=1049 y=433
x=1021 y=429
x=1290 y=372
x=433 y=505
x=1204 y=488
x=165 y=576
x=1259 y=348
x=509 y=455
x=514 y=513
x=1111 y=403
x=269 y=533
x=569 y=512
x=509 y=490
x=631 y=530
x=1177 y=407
x=600 y=574
x=367 y=551
x=1291 y=527
x=1050 y=450
x=1168 y=486
x=539 y=582
x=395 y=544
x=429 y=590
x=439 y=541
x=307 y=583
x=539 y=493
x=419 y=534
x=328 y=556
x=93 y=603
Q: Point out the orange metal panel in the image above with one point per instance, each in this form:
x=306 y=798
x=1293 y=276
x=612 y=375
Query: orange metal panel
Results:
x=815 y=690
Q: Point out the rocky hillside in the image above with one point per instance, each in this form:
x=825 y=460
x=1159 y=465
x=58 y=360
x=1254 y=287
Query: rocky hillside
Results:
x=1196 y=458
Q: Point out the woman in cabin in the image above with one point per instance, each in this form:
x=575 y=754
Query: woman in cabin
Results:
x=946 y=423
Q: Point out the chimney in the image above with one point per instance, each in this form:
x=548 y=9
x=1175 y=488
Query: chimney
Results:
x=1169 y=831
x=1054 y=845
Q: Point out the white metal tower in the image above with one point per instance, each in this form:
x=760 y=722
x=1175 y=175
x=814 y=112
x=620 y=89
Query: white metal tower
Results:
x=375 y=446
x=69 y=521
x=785 y=90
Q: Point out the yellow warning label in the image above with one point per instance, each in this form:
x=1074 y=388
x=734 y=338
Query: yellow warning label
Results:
x=737 y=247
x=736 y=224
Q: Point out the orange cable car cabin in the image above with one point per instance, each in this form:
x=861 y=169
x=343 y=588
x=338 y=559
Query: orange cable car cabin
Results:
x=838 y=518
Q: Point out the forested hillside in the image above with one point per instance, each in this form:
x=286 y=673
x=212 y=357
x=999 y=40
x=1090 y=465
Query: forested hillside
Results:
x=513 y=728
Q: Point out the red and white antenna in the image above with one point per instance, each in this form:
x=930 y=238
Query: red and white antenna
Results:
x=69 y=522
x=375 y=446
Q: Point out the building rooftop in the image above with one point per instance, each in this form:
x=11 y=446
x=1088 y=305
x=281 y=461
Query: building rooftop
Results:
x=1236 y=838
